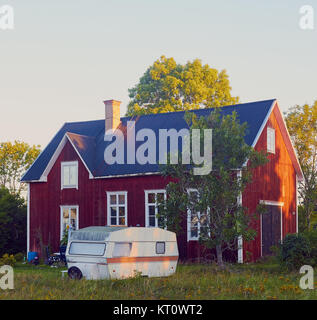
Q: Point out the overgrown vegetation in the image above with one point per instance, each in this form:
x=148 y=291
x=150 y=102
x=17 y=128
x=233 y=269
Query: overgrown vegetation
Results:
x=263 y=281
x=298 y=249
x=12 y=222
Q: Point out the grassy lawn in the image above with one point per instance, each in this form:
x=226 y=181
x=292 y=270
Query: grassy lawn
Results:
x=251 y=281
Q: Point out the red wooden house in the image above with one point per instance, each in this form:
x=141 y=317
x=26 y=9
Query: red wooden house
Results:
x=70 y=183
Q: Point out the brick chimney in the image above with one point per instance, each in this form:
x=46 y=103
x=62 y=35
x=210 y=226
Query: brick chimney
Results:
x=112 y=108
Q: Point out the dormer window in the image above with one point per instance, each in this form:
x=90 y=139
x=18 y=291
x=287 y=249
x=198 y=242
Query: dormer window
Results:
x=270 y=140
x=69 y=175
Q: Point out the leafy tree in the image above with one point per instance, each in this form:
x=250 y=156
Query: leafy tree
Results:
x=12 y=222
x=15 y=159
x=212 y=198
x=302 y=126
x=168 y=86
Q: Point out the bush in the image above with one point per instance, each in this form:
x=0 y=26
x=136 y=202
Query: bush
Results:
x=295 y=251
x=7 y=260
x=312 y=238
x=19 y=257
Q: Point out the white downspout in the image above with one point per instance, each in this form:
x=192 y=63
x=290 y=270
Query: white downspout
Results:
x=28 y=222
x=296 y=187
x=240 y=240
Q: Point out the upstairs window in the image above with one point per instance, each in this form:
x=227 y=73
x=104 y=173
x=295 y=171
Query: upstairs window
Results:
x=69 y=175
x=270 y=140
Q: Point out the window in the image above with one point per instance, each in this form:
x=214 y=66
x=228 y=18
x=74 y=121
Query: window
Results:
x=69 y=175
x=152 y=200
x=117 y=208
x=85 y=248
x=270 y=140
x=69 y=217
x=122 y=249
x=160 y=248
x=196 y=221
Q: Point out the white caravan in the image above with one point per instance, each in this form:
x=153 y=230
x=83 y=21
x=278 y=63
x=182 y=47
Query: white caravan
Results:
x=121 y=252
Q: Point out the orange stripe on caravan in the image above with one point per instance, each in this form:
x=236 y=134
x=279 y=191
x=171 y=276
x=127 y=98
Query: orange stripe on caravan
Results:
x=141 y=259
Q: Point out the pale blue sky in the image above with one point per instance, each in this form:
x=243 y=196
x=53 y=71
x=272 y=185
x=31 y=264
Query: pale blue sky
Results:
x=65 y=57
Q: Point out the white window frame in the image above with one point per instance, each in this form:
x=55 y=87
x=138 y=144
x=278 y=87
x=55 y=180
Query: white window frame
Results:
x=189 y=236
x=270 y=140
x=117 y=205
x=147 y=204
x=69 y=164
x=61 y=217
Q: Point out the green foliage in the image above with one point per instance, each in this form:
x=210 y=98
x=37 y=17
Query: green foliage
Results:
x=311 y=236
x=295 y=251
x=15 y=159
x=168 y=86
x=19 y=257
x=302 y=126
x=8 y=260
x=64 y=240
x=221 y=217
x=12 y=222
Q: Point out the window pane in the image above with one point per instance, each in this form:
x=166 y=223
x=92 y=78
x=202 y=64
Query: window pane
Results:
x=122 y=221
x=65 y=220
x=122 y=249
x=113 y=211
x=121 y=199
x=73 y=175
x=152 y=221
x=95 y=249
x=121 y=211
x=73 y=218
x=152 y=211
x=160 y=247
x=194 y=232
x=113 y=199
x=66 y=175
x=151 y=198
x=113 y=221
x=160 y=198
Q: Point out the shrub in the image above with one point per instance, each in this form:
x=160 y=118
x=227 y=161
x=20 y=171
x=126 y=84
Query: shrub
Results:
x=295 y=251
x=312 y=238
x=7 y=260
x=19 y=256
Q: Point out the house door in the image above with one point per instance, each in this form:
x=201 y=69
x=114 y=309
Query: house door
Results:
x=271 y=228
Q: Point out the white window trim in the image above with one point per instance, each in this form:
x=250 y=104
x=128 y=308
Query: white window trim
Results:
x=189 y=236
x=117 y=193
x=67 y=164
x=270 y=147
x=61 y=217
x=146 y=192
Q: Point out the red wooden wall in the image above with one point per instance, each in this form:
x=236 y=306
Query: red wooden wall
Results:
x=275 y=181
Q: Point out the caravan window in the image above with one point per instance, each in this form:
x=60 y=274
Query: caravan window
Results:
x=86 y=248
x=160 y=247
x=122 y=249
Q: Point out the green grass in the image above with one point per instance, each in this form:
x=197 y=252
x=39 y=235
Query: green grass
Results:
x=250 y=281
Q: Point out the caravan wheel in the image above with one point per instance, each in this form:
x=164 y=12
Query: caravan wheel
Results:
x=74 y=273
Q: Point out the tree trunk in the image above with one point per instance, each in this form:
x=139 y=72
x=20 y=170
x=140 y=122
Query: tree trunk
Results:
x=219 y=256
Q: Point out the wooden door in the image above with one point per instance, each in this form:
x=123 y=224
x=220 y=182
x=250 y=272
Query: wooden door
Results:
x=271 y=228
